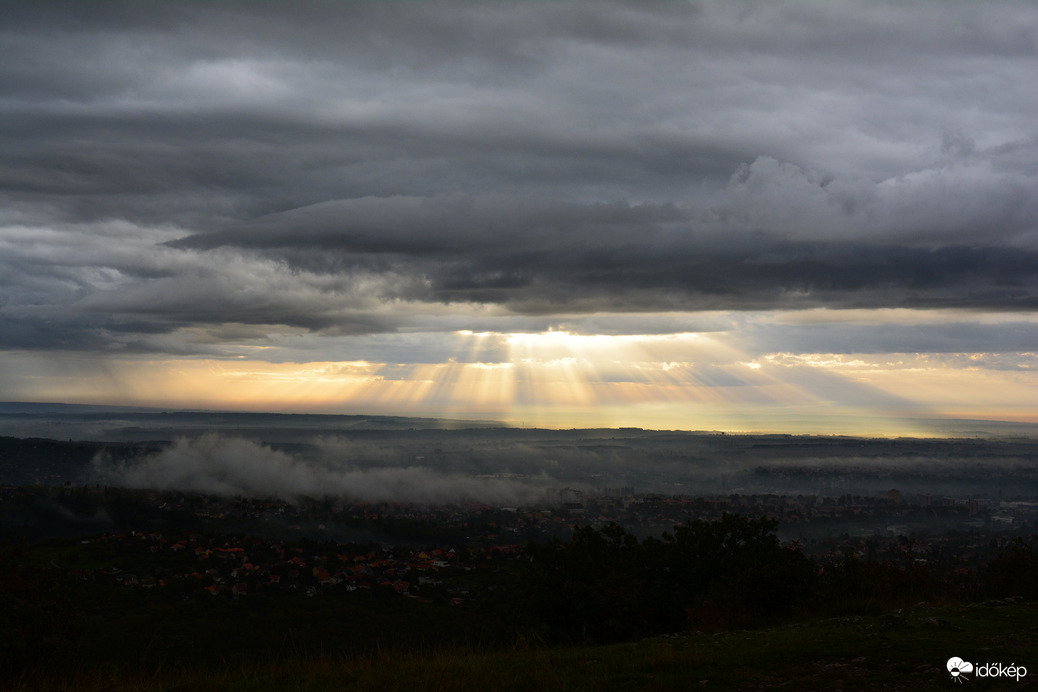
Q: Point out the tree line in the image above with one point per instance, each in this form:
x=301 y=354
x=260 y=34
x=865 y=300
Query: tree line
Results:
x=607 y=585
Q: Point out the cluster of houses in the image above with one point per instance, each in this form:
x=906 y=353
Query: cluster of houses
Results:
x=480 y=524
x=232 y=553
x=193 y=563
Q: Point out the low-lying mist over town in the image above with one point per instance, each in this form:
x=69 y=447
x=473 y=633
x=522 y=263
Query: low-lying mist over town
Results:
x=386 y=459
x=500 y=467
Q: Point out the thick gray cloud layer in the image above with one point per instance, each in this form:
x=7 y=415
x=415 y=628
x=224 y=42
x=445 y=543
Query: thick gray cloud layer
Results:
x=349 y=168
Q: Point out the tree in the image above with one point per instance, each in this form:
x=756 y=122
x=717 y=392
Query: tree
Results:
x=605 y=585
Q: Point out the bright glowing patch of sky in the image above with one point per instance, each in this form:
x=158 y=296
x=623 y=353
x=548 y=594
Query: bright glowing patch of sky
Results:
x=709 y=380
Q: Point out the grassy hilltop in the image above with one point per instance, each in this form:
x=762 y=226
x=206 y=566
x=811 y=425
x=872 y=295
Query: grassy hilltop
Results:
x=901 y=650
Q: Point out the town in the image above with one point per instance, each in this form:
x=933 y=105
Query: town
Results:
x=197 y=544
x=637 y=534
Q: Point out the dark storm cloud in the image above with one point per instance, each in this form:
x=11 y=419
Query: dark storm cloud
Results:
x=317 y=166
x=543 y=258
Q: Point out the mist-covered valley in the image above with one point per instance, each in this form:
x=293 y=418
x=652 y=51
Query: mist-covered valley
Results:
x=431 y=532
x=387 y=459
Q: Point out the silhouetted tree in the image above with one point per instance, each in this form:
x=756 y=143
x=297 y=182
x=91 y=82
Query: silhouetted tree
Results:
x=1014 y=571
x=605 y=585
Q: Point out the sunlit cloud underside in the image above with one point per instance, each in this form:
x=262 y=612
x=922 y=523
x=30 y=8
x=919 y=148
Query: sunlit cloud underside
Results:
x=556 y=379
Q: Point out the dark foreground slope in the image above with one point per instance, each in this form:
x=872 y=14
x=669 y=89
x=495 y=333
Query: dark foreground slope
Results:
x=901 y=650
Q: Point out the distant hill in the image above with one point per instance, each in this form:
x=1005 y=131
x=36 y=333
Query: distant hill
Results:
x=139 y=424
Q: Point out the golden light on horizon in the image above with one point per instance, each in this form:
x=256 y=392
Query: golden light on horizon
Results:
x=563 y=379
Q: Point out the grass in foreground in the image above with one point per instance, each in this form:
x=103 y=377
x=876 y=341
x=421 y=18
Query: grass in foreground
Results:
x=896 y=651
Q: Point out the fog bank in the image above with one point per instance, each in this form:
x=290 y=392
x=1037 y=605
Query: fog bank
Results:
x=234 y=466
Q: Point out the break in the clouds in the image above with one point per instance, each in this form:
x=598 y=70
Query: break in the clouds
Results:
x=337 y=182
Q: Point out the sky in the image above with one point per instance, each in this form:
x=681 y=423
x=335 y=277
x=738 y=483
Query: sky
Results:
x=791 y=217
